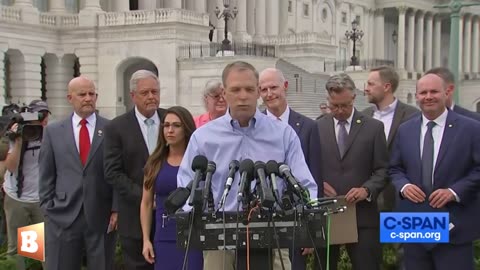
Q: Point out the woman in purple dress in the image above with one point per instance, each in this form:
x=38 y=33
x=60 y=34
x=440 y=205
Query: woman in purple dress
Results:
x=161 y=179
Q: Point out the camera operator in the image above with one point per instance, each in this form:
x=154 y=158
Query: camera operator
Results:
x=22 y=204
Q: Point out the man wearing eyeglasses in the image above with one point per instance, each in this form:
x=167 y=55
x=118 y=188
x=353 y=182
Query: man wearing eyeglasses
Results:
x=214 y=103
x=129 y=140
x=354 y=164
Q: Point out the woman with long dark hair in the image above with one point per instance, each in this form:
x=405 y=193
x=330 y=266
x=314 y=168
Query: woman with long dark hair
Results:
x=160 y=179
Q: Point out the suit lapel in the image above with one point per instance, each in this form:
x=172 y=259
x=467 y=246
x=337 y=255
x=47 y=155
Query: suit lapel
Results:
x=448 y=136
x=96 y=141
x=70 y=139
x=414 y=137
x=397 y=120
x=330 y=133
x=354 y=129
x=295 y=121
x=136 y=132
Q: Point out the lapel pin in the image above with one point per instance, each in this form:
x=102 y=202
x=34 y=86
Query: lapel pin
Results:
x=297 y=124
x=359 y=121
x=100 y=133
x=450 y=125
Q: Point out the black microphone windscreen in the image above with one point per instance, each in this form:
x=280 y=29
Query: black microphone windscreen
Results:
x=200 y=163
x=272 y=167
x=176 y=200
x=234 y=164
x=259 y=165
x=247 y=166
x=211 y=167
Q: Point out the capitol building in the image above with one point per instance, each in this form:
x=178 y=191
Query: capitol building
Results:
x=45 y=43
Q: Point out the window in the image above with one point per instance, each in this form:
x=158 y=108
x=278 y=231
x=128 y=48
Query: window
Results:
x=306 y=9
x=344 y=17
x=290 y=7
x=324 y=14
x=357 y=18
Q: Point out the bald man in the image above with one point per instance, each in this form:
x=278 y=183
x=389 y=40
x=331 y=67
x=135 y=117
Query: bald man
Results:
x=74 y=196
x=273 y=91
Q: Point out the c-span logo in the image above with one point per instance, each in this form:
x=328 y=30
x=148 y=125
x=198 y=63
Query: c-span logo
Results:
x=414 y=227
x=31 y=241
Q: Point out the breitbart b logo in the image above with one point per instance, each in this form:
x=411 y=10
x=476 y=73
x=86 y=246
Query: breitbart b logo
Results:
x=31 y=241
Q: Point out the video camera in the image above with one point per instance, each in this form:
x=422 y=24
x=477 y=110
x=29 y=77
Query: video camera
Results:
x=28 y=119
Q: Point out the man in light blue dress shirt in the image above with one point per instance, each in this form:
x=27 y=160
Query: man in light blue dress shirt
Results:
x=243 y=133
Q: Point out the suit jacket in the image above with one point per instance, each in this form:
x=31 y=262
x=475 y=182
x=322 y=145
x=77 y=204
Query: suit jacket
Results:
x=364 y=163
x=402 y=113
x=467 y=113
x=66 y=186
x=126 y=154
x=307 y=132
x=457 y=167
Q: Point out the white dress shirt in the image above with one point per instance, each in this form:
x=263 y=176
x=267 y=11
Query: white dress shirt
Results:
x=91 y=121
x=284 y=117
x=336 y=126
x=386 y=116
x=143 y=127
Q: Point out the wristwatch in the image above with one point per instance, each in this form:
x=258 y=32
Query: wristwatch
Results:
x=369 y=194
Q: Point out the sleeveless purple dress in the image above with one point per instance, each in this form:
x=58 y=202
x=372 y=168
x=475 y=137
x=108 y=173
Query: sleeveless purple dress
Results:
x=167 y=255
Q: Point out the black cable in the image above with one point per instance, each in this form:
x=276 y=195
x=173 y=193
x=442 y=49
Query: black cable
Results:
x=319 y=261
x=293 y=237
x=277 y=242
x=236 y=235
x=225 y=236
x=185 y=258
x=270 y=266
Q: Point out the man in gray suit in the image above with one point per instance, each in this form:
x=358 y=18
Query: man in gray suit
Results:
x=74 y=196
x=381 y=85
x=449 y=79
x=354 y=163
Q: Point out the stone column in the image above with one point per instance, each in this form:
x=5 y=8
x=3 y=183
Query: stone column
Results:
x=467 y=46
x=59 y=73
x=283 y=19
x=476 y=45
x=220 y=27
x=437 y=41
x=380 y=34
x=251 y=17
x=419 y=42
x=460 y=46
x=147 y=4
x=121 y=5
x=272 y=10
x=260 y=18
x=201 y=6
x=95 y=4
x=371 y=27
x=3 y=50
x=57 y=6
x=88 y=56
x=24 y=3
x=172 y=3
x=411 y=40
x=241 y=22
x=428 y=39
x=401 y=38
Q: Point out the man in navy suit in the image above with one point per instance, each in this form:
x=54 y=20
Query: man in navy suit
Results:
x=435 y=166
x=449 y=79
x=273 y=90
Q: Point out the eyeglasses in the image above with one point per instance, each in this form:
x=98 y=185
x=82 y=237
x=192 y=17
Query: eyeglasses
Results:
x=174 y=125
x=215 y=97
x=335 y=107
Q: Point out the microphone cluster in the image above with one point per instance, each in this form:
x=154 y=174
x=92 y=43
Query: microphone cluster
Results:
x=267 y=192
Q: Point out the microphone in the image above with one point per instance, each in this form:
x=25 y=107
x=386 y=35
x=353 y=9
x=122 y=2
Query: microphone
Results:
x=233 y=168
x=272 y=170
x=207 y=191
x=199 y=165
x=177 y=198
x=286 y=174
x=265 y=194
x=246 y=175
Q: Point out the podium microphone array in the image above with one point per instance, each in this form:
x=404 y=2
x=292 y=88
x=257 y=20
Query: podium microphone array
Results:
x=267 y=192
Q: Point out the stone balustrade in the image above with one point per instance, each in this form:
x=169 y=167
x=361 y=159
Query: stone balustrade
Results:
x=10 y=14
x=137 y=17
x=300 y=38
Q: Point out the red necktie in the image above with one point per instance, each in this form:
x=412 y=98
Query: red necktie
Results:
x=84 y=141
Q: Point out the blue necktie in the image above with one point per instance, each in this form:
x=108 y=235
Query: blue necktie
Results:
x=342 y=137
x=151 y=138
x=427 y=159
